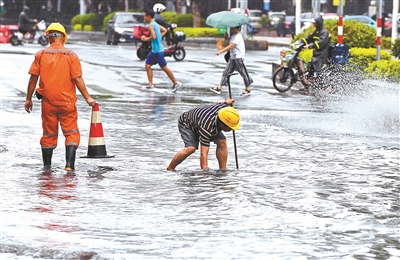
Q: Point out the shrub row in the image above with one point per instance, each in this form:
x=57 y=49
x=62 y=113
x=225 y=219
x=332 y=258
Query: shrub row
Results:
x=182 y=20
x=386 y=69
x=365 y=59
x=98 y=22
x=191 y=32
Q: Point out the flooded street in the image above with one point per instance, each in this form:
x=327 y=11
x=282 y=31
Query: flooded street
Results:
x=318 y=176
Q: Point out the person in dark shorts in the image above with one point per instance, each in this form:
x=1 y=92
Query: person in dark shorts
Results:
x=203 y=125
x=157 y=51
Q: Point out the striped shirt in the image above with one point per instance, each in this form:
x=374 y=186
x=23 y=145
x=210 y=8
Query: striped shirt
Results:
x=203 y=121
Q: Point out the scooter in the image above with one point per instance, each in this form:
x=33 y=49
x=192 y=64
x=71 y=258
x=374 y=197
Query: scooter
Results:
x=176 y=50
x=18 y=38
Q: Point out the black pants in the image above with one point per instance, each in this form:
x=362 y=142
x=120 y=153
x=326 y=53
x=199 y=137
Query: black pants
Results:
x=315 y=65
x=26 y=28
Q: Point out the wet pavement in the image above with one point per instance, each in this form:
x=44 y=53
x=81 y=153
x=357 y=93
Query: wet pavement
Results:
x=318 y=176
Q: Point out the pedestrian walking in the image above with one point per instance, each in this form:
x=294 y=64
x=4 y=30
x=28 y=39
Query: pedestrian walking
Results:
x=60 y=73
x=157 y=51
x=236 y=49
x=203 y=125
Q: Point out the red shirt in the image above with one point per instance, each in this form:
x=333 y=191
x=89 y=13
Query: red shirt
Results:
x=56 y=66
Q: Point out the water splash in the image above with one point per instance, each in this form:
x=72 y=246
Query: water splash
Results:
x=371 y=107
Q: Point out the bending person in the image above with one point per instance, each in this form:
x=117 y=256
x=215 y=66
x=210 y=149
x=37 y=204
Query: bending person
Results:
x=203 y=125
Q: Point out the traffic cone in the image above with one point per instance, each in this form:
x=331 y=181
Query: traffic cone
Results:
x=97 y=146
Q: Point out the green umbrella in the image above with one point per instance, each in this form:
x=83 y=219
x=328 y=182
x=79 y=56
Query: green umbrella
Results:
x=226 y=19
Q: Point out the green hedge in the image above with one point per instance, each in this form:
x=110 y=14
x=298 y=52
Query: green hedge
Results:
x=386 y=43
x=384 y=69
x=168 y=16
x=396 y=48
x=77 y=27
x=82 y=20
x=362 y=57
x=88 y=28
x=182 y=20
x=186 y=20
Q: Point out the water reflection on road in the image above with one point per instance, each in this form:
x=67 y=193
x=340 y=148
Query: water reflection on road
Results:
x=318 y=178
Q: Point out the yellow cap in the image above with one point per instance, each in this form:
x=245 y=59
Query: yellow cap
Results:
x=57 y=27
x=230 y=117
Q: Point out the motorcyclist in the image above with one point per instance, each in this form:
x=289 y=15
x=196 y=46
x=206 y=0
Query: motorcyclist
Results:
x=318 y=40
x=158 y=9
x=25 y=24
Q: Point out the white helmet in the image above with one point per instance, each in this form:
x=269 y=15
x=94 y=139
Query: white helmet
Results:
x=158 y=8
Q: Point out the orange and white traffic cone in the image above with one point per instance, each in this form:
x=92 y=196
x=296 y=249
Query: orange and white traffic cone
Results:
x=97 y=146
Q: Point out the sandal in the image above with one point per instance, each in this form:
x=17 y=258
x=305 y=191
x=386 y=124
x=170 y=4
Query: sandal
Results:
x=216 y=90
x=247 y=92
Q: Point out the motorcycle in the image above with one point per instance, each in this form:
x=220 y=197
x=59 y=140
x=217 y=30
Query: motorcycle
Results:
x=176 y=50
x=18 y=38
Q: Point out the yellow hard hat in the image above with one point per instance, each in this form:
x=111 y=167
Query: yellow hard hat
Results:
x=57 y=27
x=230 y=117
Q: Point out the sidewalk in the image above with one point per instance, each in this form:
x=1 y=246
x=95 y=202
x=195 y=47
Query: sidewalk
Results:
x=257 y=43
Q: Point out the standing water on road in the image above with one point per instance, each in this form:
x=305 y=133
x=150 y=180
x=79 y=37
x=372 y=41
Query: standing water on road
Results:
x=318 y=177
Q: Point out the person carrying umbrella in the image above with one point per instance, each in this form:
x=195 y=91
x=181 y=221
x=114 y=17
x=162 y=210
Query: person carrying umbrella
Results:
x=237 y=51
x=236 y=47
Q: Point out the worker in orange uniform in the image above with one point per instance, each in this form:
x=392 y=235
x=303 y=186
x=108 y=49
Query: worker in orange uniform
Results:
x=59 y=71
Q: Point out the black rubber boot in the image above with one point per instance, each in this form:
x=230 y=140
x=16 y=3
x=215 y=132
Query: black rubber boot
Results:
x=47 y=153
x=70 y=153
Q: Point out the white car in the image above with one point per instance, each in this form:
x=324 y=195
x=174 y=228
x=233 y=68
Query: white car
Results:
x=255 y=16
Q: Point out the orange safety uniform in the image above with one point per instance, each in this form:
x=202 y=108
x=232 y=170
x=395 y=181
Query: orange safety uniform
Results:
x=56 y=67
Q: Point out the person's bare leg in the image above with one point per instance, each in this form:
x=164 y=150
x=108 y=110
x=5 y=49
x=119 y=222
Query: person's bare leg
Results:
x=149 y=74
x=170 y=74
x=222 y=153
x=180 y=157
